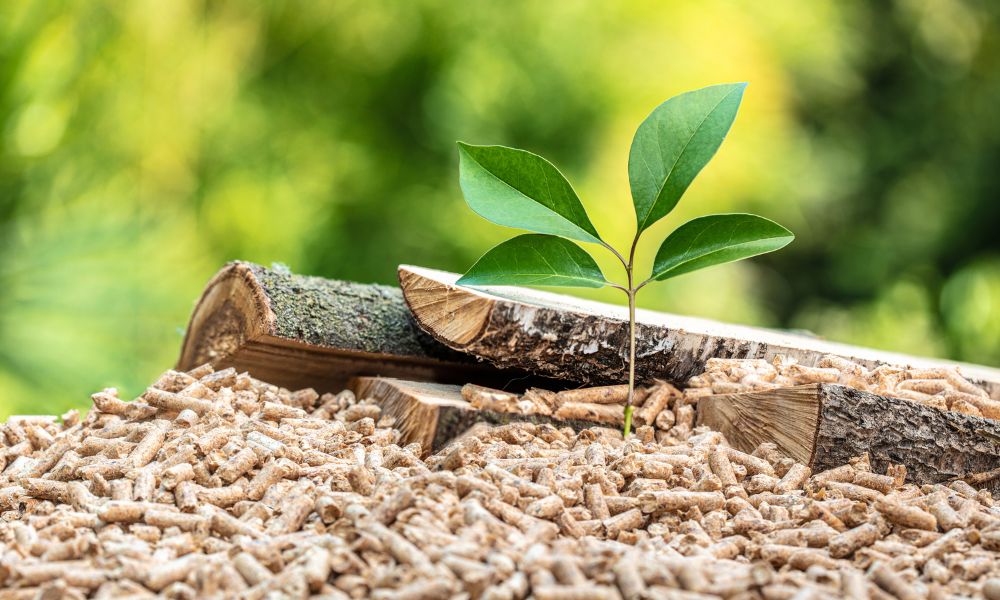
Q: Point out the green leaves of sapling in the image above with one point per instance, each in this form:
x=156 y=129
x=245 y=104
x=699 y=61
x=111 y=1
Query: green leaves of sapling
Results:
x=674 y=143
x=717 y=239
x=523 y=190
x=536 y=259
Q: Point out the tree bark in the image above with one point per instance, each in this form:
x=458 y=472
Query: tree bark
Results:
x=587 y=342
x=824 y=425
x=433 y=414
x=299 y=331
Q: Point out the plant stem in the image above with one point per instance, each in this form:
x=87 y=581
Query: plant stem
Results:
x=632 y=289
x=631 y=359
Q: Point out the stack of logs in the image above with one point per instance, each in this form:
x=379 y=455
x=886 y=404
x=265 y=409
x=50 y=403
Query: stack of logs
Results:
x=214 y=484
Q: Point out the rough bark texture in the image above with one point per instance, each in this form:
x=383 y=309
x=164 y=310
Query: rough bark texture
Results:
x=300 y=331
x=586 y=342
x=434 y=414
x=934 y=445
x=824 y=425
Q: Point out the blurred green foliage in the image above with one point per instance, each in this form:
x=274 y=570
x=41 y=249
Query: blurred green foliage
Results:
x=143 y=144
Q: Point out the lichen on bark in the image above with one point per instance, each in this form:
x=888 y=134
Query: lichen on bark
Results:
x=345 y=315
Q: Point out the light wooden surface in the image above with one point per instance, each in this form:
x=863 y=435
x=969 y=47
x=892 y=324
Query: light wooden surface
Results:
x=416 y=408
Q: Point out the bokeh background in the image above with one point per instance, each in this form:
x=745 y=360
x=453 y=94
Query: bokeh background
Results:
x=145 y=143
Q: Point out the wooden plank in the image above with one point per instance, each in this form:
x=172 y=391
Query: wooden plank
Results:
x=824 y=425
x=433 y=414
x=298 y=331
x=578 y=340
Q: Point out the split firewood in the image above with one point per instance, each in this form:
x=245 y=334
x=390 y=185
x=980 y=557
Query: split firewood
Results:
x=822 y=425
x=302 y=331
x=328 y=503
x=577 y=340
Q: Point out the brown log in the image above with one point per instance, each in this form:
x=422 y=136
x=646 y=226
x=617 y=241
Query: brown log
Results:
x=298 y=331
x=586 y=342
x=824 y=425
x=433 y=414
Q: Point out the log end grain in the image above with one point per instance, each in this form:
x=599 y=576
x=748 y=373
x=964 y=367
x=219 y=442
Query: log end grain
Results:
x=414 y=407
x=453 y=316
x=232 y=309
x=787 y=417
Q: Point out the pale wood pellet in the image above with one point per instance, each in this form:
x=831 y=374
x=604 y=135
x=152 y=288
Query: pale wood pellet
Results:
x=217 y=485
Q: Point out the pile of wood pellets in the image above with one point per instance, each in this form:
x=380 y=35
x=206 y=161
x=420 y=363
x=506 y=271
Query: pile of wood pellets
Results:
x=215 y=485
x=941 y=387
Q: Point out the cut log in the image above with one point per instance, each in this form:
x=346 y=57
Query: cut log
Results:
x=578 y=340
x=824 y=425
x=433 y=414
x=298 y=331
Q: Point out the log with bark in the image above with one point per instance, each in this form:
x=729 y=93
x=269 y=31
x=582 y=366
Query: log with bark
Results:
x=298 y=331
x=825 y=425
x=434 y=414
x=586 y=342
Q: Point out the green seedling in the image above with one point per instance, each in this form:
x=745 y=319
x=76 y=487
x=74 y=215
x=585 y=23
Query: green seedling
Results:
x=519 y=189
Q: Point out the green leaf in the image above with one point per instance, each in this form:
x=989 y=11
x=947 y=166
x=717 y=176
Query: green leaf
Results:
x=519 y=189
x=535 y=259
x=674 y=143
x=717 y=239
